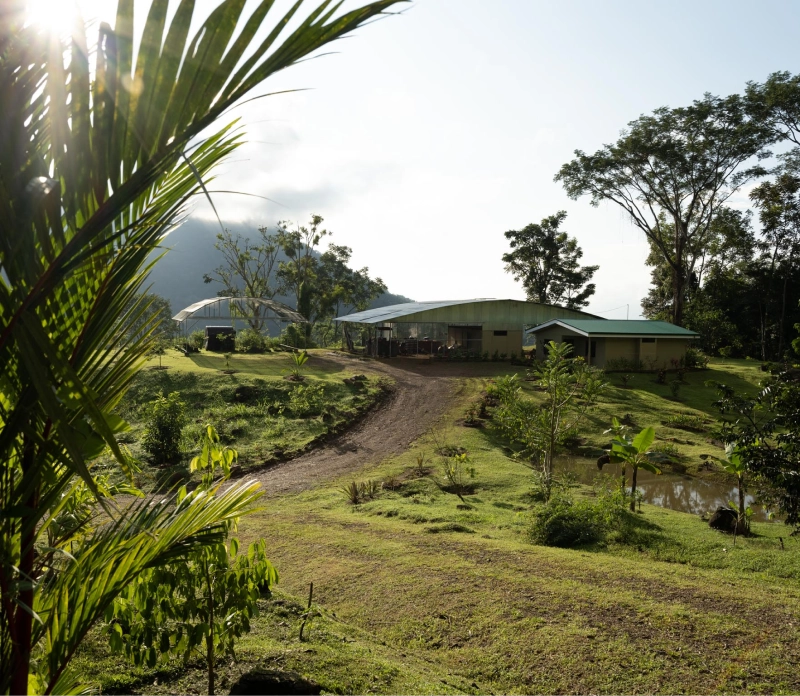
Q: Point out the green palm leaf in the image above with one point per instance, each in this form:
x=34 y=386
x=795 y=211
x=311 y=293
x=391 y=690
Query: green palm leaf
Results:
x=98 y=160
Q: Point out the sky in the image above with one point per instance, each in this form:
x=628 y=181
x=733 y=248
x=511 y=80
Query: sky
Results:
x=429 y=134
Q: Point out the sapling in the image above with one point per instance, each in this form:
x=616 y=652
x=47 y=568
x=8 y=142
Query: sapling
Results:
x=200 y=604
x=571 y=388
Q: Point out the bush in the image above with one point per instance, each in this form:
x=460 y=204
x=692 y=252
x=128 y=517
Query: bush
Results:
x=196 y=339
x=307 y=400
x=624 y=365
x=696 y=358
x=294 y=335
x=686 y=421
x=164 y=428
x=565 y=523
x=250 y=341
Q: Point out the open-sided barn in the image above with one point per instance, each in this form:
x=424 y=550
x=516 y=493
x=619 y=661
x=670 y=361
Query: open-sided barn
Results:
x=474 y=326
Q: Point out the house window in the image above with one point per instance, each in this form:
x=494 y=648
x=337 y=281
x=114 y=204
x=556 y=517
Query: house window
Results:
x=501 y=333
x=594 y=349
x=648 y=340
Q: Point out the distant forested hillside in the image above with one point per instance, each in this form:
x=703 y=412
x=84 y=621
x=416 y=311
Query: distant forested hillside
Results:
x=179 y=275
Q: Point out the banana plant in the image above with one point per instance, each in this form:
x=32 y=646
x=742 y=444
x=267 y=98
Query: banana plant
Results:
x=99 y=156
x=733 y=463
x=299 y=359
x=634 y=452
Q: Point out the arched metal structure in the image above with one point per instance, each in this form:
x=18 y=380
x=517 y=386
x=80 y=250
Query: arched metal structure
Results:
x=235 y=308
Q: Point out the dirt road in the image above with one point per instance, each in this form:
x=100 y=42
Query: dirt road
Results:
x=423 y=391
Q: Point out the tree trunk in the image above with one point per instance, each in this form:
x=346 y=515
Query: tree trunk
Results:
x=742 y=508
x=783 y=319
x=633 y=488
x=678 y=277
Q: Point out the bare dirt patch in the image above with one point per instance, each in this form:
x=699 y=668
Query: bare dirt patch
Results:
x=423 y=391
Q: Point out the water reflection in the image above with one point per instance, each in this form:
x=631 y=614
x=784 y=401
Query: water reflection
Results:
x=682 y=493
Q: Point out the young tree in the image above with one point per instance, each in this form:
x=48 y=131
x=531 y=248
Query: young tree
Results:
x=203 y=603
x=766 y=430
x=571 y=388
x=671 y=172
x=545 y=261
x=247 y=270
x=93 y=174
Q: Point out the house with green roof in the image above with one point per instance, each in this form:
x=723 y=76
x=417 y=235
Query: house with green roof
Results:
x=604 y=342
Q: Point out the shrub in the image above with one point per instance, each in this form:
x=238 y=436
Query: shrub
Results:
x=566 y=523
x=695 y=358
x=686 y=421
x=307 y=400
x=164 y=428
x=250 y=341
x=294 y=335
x=667 y=449
x=675 y=388
x=624 y=365
x=196 y=339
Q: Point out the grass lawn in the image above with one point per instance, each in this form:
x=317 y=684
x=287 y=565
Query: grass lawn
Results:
x=422 y=592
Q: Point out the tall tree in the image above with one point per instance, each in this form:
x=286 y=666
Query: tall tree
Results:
x=93 y=174
x=778 y=205
x=729 y=241
x=545 y=260
x=671 y=172
x=776 y=104
x=247 y=270
x=298 y=274
x=149 y=312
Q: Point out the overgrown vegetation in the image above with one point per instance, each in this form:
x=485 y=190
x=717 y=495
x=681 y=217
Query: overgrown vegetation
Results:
x=267 y=418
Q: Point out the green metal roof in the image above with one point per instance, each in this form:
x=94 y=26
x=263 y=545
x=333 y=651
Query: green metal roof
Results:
x=483 y=310
x=621 y=327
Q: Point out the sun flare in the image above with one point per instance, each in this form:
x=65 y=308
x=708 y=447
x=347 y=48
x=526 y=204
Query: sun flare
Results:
x=56 y=15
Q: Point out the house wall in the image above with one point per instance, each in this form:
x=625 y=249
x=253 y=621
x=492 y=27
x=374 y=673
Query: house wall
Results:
x=508 y=344
x=671 y=349
x=554 y=333
x=619 y=348
x=653 y=355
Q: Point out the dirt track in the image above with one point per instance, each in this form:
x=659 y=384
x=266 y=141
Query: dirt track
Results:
x=423 y=391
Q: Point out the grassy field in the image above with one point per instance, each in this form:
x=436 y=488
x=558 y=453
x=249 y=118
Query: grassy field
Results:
x=419 y=591
x=250 y=403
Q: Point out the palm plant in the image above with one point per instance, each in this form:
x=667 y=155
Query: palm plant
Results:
x=97 y=163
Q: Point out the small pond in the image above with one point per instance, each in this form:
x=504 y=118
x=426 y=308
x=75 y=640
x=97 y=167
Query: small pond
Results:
x=673 y=491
